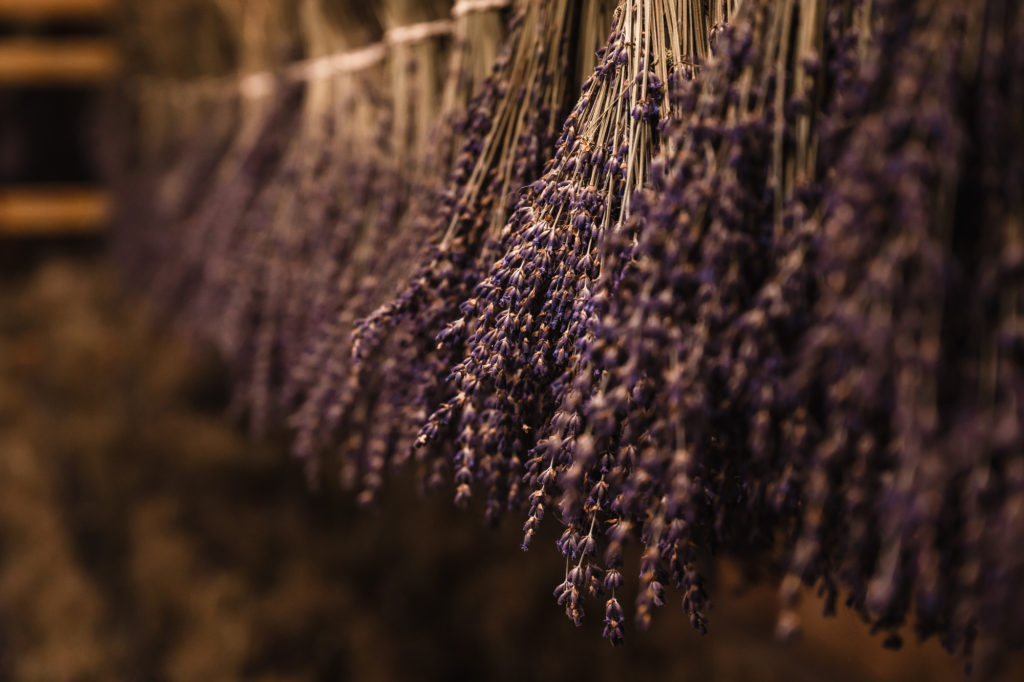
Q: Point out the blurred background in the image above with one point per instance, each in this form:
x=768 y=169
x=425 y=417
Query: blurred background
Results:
x=143 y=536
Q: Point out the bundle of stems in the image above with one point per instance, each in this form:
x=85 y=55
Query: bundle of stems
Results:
x=206 y=217
x=910 y=372
x=778 y=364
x=169 y=140
x=298 y=231
x=379 y=238
x=507 y=136
x=660 y=434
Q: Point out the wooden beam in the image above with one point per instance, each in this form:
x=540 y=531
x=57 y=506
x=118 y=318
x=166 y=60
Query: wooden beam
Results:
x=25 y=61
x=50 y=10
x=34 y=211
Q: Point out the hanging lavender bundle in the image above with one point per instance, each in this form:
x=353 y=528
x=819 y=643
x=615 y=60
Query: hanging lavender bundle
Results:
x=740 y=405
x=381 y=241
x=200 y=273
x=294 y=235
x=909 y=374
x=179 y=127
x=521 y=325
x=645 y=443
x=508 y=130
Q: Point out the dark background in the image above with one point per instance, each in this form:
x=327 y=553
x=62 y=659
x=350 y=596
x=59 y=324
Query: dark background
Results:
x=45 y=132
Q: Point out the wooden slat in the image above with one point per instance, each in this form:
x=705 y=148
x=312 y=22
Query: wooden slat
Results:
x=50 y=10
x=28 y=211
x=53 y=62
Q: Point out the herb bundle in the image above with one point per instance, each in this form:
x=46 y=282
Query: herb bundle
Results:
x=300 y=229
x=908 y=372
x=509 y=132
x=764 y=379
x=427 y=124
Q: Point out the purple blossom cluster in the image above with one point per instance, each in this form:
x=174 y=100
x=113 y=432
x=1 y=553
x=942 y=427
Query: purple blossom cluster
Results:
x=780 y=365
x=517 y=332
x=907 y=486
x=510 y=133
x=759 y=297
x=646 y=441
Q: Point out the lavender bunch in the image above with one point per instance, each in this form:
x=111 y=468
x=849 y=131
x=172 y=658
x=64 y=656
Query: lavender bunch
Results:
x=247 y=247
x=183 y=134
x=908 y=481
x=668 y=432
x=508 y=134
x=741 y=404
x=294 y=235
x=523 y=330
x=520 y=326
x=199 y=271
x=383 y=241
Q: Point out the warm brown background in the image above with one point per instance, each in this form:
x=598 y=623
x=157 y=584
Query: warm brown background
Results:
x=143 y=538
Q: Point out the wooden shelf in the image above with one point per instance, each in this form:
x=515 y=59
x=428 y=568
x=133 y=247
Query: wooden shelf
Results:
x=50 y=10
x=27 y=211
x=56 y=62
x=32 y=211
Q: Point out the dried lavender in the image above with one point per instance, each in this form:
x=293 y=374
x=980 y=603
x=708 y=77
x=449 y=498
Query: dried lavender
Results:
x=522 y=331
x=740 y=405
x=915 y=410
x=288 y=241
x=633 y=447
x=384 y=240
x=195 y=141
x=508 y=134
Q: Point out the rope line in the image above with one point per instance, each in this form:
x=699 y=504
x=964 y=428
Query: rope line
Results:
x=464 y=7
x=261 y=84
x=417 y=32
